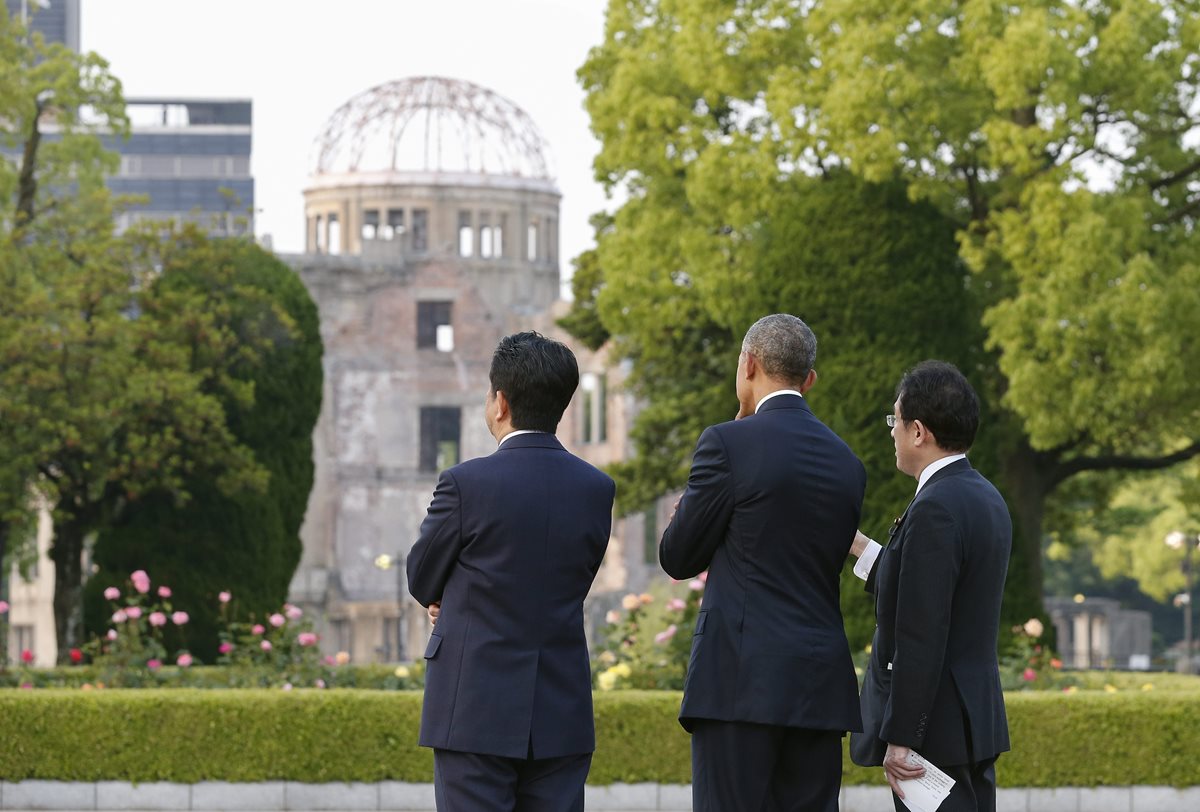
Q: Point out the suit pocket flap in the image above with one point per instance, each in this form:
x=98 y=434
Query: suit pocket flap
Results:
x=700 y=618
x=431 y=650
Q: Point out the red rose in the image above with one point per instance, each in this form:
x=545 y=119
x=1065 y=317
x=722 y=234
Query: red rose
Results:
x=76 y=656
x=27 y=656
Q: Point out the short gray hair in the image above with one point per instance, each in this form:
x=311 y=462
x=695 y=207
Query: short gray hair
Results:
x=783 y=346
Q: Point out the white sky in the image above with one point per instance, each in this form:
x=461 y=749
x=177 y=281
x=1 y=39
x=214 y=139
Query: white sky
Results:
x=299 y=60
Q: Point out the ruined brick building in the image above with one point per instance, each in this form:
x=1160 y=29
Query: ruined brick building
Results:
x=432 y=231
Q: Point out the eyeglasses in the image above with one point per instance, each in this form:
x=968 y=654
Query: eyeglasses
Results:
x=891 y=421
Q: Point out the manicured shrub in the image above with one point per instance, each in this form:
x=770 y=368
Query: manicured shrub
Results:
x=1079 y=739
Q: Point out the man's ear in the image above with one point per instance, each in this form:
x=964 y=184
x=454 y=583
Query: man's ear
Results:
x=750 y=368
x=922 y=435
x=500 y=410
x=809 y=380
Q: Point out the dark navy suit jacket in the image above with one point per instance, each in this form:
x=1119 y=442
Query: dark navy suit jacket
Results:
x=938 y=585
x=510 y=547
x=771 y=507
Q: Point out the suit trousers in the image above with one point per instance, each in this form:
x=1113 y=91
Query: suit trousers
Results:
x=745 y=767
x=974 y=788
x=472 y=782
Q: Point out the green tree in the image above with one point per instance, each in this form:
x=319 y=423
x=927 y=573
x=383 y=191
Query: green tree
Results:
x=99 y=381
x=1053 y=135
x=246 y=543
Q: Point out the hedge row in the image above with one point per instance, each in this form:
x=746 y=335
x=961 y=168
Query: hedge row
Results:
x=1083 y=739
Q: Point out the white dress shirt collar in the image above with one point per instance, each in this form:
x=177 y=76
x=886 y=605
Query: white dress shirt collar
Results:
x=773 y=394
x=935 y=466
x=515 y=433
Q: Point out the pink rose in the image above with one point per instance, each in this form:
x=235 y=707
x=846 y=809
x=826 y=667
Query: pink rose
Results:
x=179 y=618
x=696 y=585
x=258 y=628
x=224 y=597
x=287 y=686
x=265 y=645
x=328 y=660
x=112 y=593
x=225 y=647
x=133 y=612
x=676 y=604
x=141 y=581
x=320 y=683
x=112 y=634
x=703 y=577
x=293 y=612
x=119 y=616
x=184 y=660
x=306 y=638
x=3 y=607
x=613 y=617
x=1030 y=675
x=154 y=665
x=666 y=634
x=164 y=592
x=158 y=619
x=276 y=620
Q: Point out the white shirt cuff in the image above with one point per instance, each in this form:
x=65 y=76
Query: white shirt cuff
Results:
x=867 y=560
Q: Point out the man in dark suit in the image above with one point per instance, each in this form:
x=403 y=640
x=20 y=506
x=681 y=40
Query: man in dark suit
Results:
x=771 y=507
x=933 y=683
x=506 y=555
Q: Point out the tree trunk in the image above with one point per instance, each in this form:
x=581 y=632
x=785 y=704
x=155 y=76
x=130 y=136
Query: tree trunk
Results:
x=67 y=554
x=5 y=529
x=1026 y=487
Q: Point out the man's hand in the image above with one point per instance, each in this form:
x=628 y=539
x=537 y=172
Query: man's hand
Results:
x=434 y=610
x=743 y=411
x=859 y=545
x=897 y=768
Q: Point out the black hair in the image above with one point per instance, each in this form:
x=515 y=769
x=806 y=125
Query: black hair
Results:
x=538 y=376
x=940 y=396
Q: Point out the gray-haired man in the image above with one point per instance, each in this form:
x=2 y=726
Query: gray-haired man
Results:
x=770 y=510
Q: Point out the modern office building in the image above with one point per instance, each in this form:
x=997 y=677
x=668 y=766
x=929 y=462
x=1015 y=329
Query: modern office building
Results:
x=187 y=160
x=56 y=20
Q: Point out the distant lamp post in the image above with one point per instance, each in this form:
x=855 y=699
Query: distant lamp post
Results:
x=1179 y=540
x=386 y=562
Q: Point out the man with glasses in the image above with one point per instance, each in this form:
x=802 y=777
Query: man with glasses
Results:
x=933 y=682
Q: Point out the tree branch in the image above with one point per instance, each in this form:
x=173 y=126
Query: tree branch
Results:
x=1182 y=174
x=1078 y=465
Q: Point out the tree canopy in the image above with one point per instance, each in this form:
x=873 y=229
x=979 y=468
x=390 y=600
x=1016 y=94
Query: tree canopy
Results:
x=247 y=543
x=1056 y=138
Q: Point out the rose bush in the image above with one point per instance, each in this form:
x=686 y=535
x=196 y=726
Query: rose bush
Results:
x=646 y=643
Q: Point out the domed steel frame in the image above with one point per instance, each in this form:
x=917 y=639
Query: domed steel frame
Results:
x=432 y=124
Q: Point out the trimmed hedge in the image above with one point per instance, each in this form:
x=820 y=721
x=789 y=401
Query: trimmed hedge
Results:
x=184 y=736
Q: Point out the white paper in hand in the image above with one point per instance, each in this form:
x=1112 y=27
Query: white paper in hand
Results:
x=925 y=794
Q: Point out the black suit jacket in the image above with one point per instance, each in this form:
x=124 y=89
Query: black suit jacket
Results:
x=933 y=683
x=510 y=547
x=771 y=506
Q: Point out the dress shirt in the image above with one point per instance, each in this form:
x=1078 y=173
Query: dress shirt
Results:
x=515 y=433
x=758 y=405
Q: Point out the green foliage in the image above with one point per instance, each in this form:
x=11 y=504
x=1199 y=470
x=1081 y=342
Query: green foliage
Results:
x=189 y=736
x=245 y=542
x=1052 y=137
x=583 y=321
x=91 y=677
x=1083 y=739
